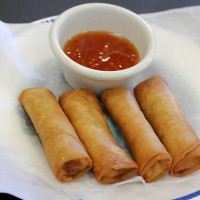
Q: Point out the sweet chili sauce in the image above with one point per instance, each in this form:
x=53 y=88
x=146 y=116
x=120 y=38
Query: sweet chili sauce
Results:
x=102 y=50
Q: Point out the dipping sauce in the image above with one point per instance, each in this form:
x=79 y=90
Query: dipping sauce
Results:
x=102 y=50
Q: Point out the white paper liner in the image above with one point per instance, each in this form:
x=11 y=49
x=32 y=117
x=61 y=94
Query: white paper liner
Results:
x=27 y=61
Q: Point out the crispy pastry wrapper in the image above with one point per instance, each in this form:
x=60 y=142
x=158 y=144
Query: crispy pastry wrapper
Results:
x=64 y=151
x=153 y=159
x=164 y=113
x=111 y=164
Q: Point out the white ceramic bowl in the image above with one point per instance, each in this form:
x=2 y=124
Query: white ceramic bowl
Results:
x=105 y=17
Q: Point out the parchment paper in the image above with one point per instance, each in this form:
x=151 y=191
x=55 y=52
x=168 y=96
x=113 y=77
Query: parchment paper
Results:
x=27 y=61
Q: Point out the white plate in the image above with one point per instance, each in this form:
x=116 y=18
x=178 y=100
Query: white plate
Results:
x=24 y=169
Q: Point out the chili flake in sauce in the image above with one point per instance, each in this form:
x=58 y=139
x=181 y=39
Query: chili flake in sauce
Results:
x=102 y=50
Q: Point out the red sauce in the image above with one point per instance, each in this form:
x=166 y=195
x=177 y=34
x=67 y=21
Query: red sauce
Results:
x=102 y=51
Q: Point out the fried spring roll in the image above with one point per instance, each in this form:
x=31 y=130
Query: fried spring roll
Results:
x=110 y=163
x=65 y=153
x=151 y=156
x=164 y=113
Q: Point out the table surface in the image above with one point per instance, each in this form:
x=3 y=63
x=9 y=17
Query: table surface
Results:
x=24 y=11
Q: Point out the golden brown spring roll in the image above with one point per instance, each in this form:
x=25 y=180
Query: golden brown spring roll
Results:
x=164 y=113
x=65 y=153
x=110 y=163
x=153 y=159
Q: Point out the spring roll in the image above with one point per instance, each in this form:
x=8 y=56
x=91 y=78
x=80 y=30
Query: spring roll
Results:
x=164 y=113
x=111 y=164
x=64 y=151
x=153 y=159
